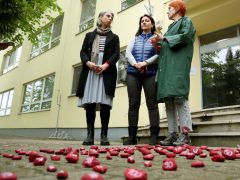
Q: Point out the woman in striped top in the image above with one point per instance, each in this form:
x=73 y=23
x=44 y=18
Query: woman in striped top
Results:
x=97 y=82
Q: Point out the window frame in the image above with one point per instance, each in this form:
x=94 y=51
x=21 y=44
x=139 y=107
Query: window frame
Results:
x=7 y=108
x=125 y=65
x=217 y=45
x=42 y=100
x=39 y=48
x=89 y=22
x=7 y=59
x=128 y=6
x=74 y=78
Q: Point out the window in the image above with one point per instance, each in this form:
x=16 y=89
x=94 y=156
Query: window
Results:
x=38 y=95
x=220 y=59
x=219 y=35
x=122 y=68
x=87 y=14
x=11 y=60
x=48 y=37
x=128 y=3
x=6 y=102
x=76 y=75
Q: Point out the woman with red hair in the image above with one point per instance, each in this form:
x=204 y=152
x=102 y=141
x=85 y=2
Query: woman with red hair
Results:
x=174 y=73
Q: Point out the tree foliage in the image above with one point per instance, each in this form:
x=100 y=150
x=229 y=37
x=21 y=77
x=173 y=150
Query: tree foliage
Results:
x=20 y=18
x=221 y=82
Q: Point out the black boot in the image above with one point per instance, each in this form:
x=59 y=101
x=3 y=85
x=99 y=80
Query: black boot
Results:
x=104 y=140
x=183 y=139
x=90 y=116
x=105 y=116
x=132 y=136
x=169 y=140
x=90 y=135
x=154 y=131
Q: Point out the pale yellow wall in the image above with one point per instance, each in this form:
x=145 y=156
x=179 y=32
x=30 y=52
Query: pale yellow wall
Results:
x=29 y=70
x=61 y=59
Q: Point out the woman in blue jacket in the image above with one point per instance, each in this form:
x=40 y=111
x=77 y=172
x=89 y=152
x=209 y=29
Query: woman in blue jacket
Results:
x=142 y=58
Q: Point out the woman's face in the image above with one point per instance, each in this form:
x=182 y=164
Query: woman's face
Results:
x=106 y=20
x=146 y=24
x=172 y=12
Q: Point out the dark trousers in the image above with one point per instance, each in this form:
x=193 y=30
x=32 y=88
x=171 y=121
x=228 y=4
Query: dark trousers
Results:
x=104 y=114
x=134 y=89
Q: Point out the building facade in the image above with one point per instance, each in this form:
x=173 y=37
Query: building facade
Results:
x=38 y=82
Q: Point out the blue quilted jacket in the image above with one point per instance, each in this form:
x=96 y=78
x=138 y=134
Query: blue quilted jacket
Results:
x=143 y=50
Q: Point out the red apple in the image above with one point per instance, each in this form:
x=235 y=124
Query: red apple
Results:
x=218 y=158
x=213 y=152
x=7 y=155
x=145 y=151
x=196 y=150
x=102 y=150
x=84 y=152
x=16 y=157
x=55 y=157
x=169 y=164
x=183 y=153
x=170 y=148
x=132 y=173
x=60 y=151
x=202 y=155
x=148 y=163
x=125 y=155
x=32 y=155
x=90 y=162
x=113 y=153
x=72 y=158
x=100 y=169
x=93 y=152
x=229 y=154
x=108 y=157
x=130 y=159
x=40 y=161
x=8 y=176
x=204 y=147
x=129 y=151
x=178 y=149
x=197 y=164
x=62 y=174
x=94 y=147
x=92 y=176
x=148 y=157
x=190 y=155
x=170 y=155
x=51 y=168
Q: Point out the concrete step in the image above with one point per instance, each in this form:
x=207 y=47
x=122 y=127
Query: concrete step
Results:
x=230 y=139
x=211 y=127
x=226 y=119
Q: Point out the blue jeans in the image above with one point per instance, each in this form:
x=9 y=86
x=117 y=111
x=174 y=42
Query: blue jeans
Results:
x=134 y=89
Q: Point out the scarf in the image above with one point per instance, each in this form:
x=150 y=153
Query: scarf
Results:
x=95 y=45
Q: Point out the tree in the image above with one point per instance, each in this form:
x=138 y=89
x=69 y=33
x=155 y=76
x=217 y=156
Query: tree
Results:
x=232 y=77
x=21 y=18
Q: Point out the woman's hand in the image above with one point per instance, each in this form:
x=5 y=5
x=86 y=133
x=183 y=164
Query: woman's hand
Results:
x=91 y=65
x=101 y=68
x=141 y=66
x=156 y=38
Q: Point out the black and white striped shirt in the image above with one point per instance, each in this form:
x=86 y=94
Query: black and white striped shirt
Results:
x=102 y=40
